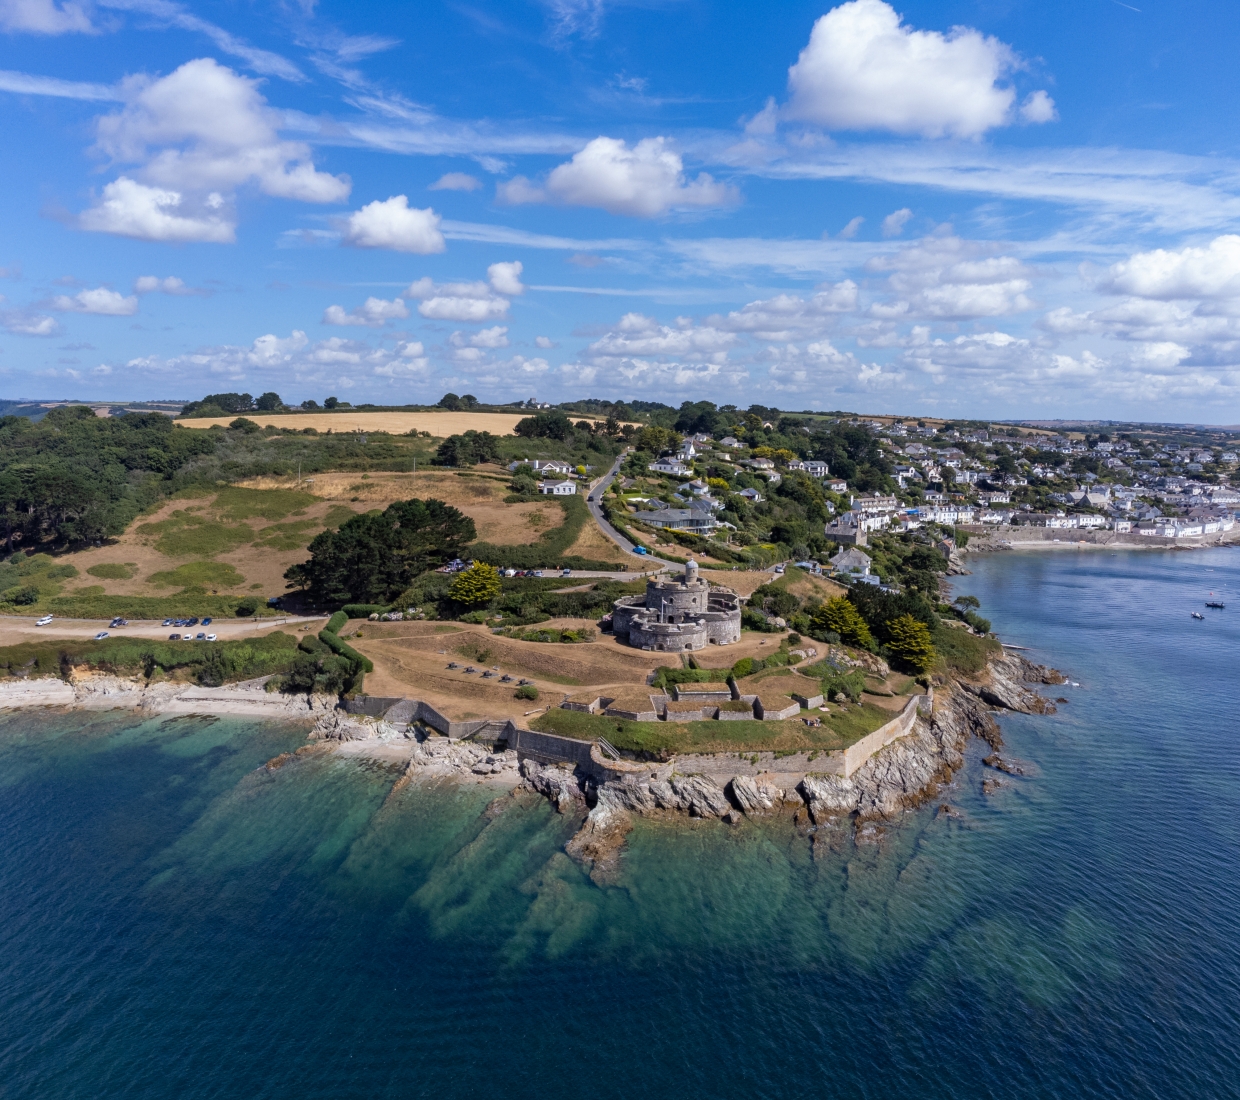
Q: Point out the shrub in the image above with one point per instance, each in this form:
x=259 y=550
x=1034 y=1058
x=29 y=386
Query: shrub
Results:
x=527 y=691
x=336 y=622
x=478 y=584
x=111 y=571
x=241 y=424
x=23 y=596
x=246 y=606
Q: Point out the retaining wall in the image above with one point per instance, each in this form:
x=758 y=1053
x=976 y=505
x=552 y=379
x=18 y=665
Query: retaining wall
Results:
x=857 y=754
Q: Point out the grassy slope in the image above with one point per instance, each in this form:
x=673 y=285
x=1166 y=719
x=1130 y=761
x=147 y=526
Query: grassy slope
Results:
x=838 y=731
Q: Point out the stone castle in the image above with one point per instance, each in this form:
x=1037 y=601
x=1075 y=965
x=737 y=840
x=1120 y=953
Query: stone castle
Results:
x=678 y=614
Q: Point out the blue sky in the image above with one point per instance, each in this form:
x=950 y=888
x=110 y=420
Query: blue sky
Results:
x=960 y=208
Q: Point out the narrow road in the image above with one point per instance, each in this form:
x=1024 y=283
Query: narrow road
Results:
x=648 y=561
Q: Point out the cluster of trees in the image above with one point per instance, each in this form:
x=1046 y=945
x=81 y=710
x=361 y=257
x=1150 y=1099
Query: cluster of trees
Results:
x=75 y=478
x=229 y=404
x=468 y=449
x=374 y=557
x=453 y=403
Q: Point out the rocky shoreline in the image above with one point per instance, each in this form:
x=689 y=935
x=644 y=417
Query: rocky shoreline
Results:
x=902 y=775
x=899 y=777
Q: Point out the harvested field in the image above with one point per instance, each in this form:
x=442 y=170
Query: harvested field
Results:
x=439 y=424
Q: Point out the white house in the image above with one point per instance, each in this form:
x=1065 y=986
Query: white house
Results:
x=751 y=495
x=811 y=466
x=731 y=442
x=671 y=466
x=557 y=488
x=552 y=466
x=852 y=561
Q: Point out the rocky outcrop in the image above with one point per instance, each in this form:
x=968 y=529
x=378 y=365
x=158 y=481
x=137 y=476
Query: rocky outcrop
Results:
x=558 y=782
x=437 y=757
x=336 y=725
x=1003 y=683
x=752 y=798
x=598 y=844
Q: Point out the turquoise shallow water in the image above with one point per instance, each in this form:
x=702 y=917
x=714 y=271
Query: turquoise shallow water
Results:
x=175 y=923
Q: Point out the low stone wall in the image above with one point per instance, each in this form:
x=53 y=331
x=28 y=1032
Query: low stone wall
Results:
x=550 y=748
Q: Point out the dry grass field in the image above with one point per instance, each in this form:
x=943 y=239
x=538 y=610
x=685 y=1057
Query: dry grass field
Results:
x=412 y=658
x=241 y=539
x=439 y=424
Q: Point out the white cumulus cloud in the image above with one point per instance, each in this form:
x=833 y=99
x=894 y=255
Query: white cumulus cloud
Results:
x=132 y=209
x=393 y=224
x=18 y=322
x=506 y=278
x=149 y=284
x=496 y=337
x=644 y=181
x=471 y=303
x=863 y=69
x=1210 y=272
x=637 y=335
x=374 y=313
x=894 y=223
x=949 y=278
x=789 y=316
x=101 y=300
x=196 y=135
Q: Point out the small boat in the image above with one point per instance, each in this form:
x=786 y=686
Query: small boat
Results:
x=1198 y=615
x=1216 y=603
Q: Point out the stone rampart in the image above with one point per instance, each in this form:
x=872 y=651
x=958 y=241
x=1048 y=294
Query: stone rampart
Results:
x=900 y=726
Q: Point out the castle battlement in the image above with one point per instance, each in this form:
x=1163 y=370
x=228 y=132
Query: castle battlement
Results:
x=678 y=614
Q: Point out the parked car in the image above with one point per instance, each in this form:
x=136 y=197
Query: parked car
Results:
x=174 y=637
x=191 y=622
x=779 y=569
x=118 y=621
x=566 y=572
x=43 y=621
x=537 y=573
x=101 y=635
x=167 y=622
x=200 y=637
x=210 y=637
x=206 y=621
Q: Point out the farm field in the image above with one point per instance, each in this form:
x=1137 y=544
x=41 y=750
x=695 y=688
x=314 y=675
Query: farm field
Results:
x=439 y=424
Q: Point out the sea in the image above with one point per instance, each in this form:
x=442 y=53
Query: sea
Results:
x=178 y=921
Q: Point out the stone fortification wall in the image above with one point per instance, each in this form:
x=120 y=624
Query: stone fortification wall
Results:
x=857 y=754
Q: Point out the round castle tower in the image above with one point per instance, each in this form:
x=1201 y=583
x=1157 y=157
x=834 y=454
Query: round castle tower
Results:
x=678 y=614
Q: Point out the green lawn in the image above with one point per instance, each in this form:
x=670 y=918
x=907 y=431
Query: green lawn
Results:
x=838 y=732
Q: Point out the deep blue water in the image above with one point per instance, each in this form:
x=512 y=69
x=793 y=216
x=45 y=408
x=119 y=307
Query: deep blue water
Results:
x=174 y=923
